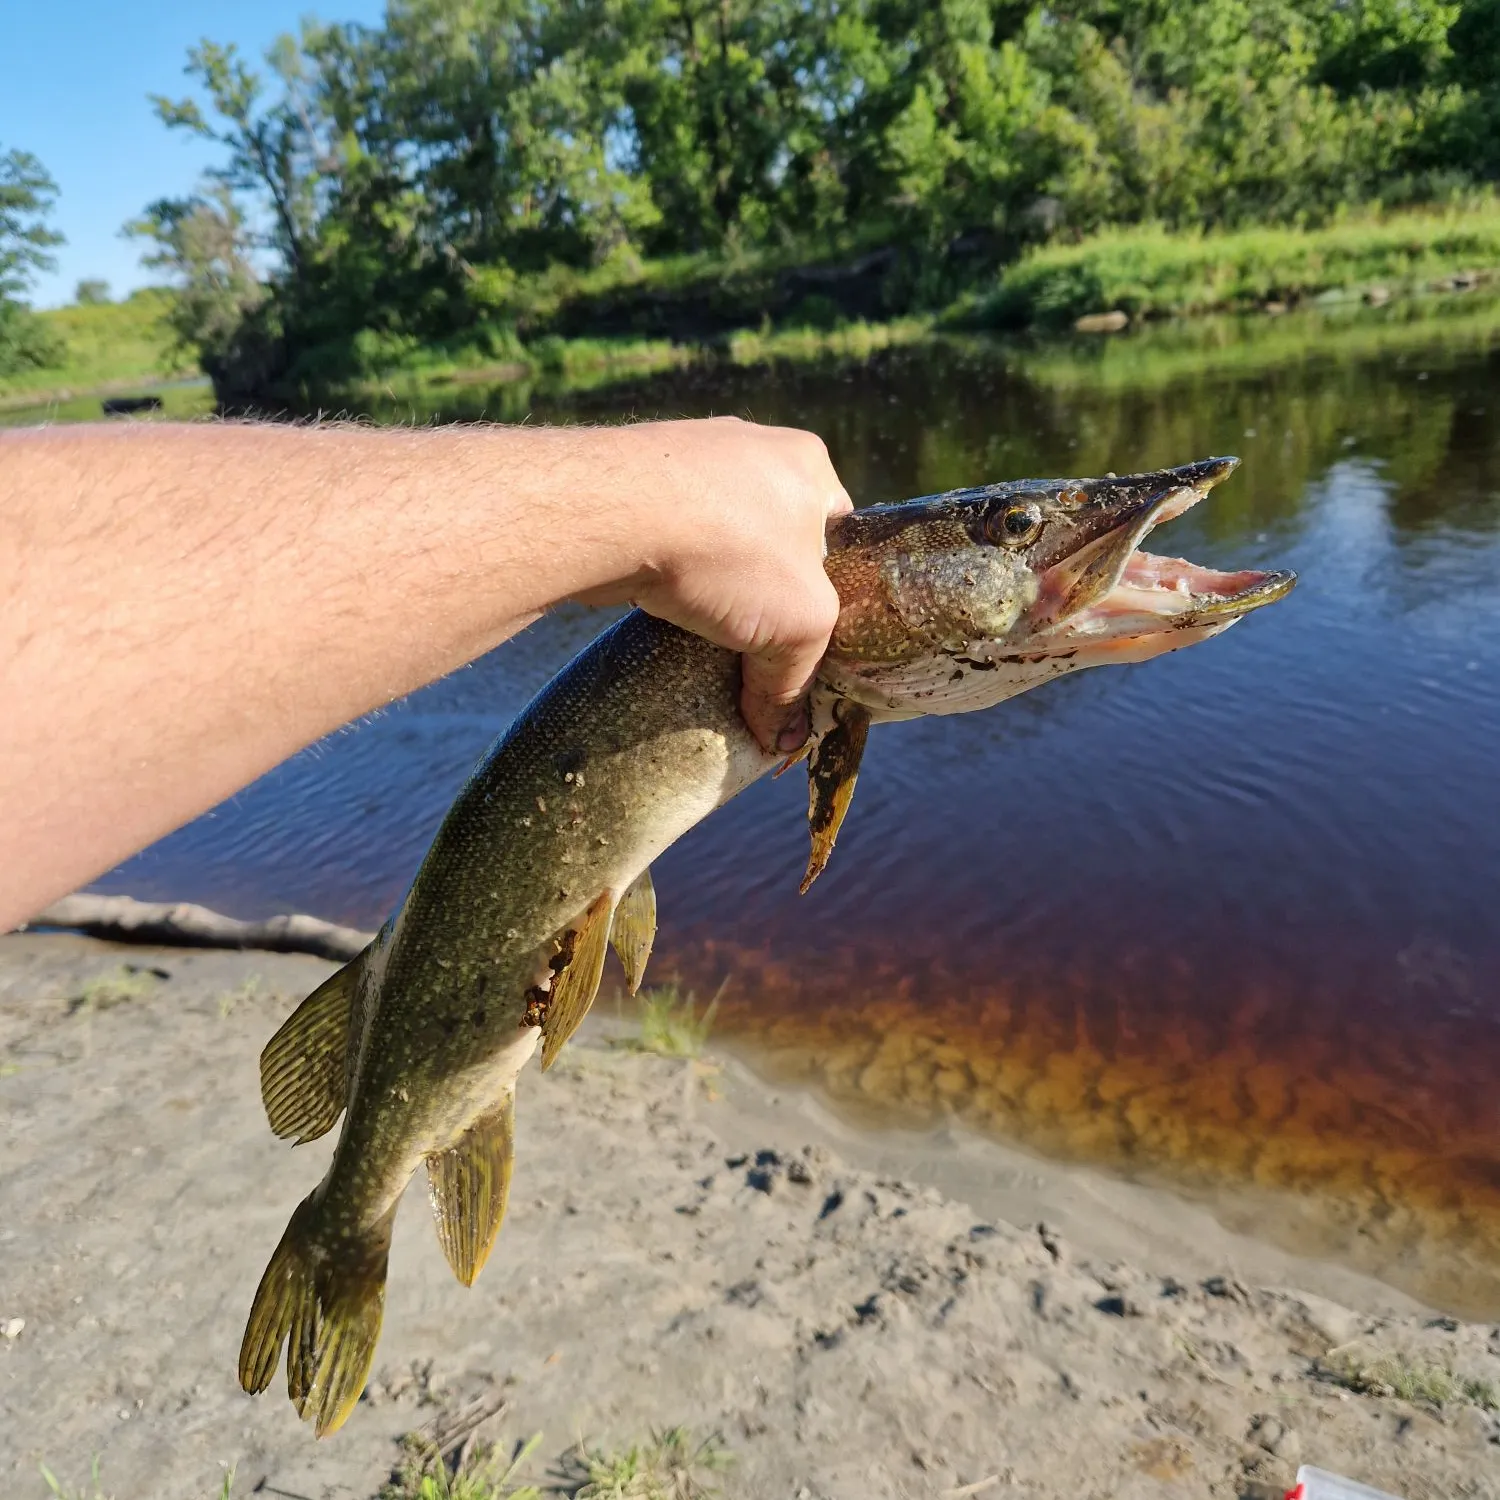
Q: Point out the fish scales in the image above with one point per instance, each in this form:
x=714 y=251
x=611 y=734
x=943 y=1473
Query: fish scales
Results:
x=634 y=742
x=949 y=603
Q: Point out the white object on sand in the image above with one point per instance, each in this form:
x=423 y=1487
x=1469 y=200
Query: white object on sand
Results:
x=1319 y=1484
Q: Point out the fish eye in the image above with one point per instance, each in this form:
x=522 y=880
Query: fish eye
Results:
x=1015 y=526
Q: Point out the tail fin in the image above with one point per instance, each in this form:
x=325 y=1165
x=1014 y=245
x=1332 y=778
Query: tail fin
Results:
x=325 y=1302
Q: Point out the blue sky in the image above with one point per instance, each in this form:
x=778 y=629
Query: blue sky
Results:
x=74 y=75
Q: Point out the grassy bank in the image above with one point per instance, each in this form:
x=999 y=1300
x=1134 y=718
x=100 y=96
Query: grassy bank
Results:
x=1148 y=272
x=568 y=330
x=693 y=297
x=108 y=347
x=552 y=365
x=1161 y=353
x=565 y=330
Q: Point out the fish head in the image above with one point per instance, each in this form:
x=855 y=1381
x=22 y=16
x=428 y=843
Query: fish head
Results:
x=954 y=602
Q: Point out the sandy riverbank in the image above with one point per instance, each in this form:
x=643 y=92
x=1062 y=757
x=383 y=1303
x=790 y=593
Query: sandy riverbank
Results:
x=856 y=1315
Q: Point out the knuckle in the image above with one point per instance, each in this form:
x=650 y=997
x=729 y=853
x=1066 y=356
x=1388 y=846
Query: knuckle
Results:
x=813 y=447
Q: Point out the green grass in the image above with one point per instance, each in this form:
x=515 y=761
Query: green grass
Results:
x=109 y=347
x=630 y=295
x=1407 y=1380
x=554 y=366
x=1159 y=354
x=387 y=370
x=671 y=1466
x=670 y=1024
x=1152 y=272
x=92 y=1491
x=484 y=1475
x=117 y=987
x=857 y=340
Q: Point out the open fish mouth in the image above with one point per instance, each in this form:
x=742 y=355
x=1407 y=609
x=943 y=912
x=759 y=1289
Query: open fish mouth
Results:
x=1108 y=590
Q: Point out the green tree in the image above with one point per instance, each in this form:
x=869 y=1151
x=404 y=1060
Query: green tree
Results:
x=464 y=163
x=27 y=195
x=723 y=100
x=1473 y=133
x=510 y=109
x=273 y=151
x=202 y=246
x=1387 y=44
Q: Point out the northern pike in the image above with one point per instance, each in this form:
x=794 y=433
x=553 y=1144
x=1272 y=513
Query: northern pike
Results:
x=950 y=603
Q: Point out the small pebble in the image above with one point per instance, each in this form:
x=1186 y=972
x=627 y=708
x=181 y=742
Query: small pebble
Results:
x=11 y=1328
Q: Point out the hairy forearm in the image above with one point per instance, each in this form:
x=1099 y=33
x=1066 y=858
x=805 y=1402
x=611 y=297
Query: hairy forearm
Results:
x=186 y=606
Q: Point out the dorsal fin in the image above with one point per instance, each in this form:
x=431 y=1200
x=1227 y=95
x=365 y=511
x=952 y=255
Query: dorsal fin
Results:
x=302 y=1069
x=634 y=928
x=469 y=1185
x=576 y=980
x=831 y=773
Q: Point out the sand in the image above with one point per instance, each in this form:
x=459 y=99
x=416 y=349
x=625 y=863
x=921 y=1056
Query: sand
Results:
x=854 y=1314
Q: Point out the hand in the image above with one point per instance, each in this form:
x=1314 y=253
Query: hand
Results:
x=733 y=541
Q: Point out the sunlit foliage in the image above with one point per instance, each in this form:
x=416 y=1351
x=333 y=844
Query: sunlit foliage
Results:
x=415 y=179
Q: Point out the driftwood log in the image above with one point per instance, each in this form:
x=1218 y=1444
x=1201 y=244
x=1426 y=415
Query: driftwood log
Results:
x=181 y=924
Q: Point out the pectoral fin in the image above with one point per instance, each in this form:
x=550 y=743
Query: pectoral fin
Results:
x=576 y=979
x=469 y=1184
x=634 y=928
x=831 y=773
x=302 y=1081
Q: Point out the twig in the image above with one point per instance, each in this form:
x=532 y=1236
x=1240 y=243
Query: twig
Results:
x=449 y=1435
x=181 y=924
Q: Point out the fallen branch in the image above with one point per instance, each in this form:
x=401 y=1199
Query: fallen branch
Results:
x=181 y=924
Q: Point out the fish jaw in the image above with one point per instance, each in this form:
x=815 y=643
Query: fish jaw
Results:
x=1109 y=591
x=956 y=602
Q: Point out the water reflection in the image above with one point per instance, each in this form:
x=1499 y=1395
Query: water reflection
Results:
x=1225 y=919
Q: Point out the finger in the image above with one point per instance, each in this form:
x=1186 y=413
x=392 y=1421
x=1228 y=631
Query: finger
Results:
x=819 y=473
x=776 y=678
x=780 y=725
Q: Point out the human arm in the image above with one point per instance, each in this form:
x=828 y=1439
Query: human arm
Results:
x=185 y=606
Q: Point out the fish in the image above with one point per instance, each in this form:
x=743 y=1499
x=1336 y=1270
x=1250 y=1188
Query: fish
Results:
x=949 y=603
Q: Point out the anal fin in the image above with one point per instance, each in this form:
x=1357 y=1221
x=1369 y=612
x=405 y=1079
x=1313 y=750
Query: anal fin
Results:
x=302 y=1067
x=576 y=980
x=469 y=1185
x=832 y=771
x=634 y=929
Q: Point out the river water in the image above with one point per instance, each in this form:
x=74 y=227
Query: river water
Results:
x=1225 y=921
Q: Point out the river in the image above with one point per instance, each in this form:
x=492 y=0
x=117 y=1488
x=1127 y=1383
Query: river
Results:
x=1225 y=921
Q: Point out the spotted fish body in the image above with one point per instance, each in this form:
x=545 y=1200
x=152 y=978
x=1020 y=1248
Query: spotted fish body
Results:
x=625 y=750
x=949 y=603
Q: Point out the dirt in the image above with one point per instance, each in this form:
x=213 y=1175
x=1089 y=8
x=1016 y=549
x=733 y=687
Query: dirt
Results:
x=686 y=1245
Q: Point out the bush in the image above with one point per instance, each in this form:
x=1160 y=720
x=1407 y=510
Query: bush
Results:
x=26 y=343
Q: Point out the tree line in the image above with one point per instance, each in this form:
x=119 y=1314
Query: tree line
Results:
x=415 y=178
